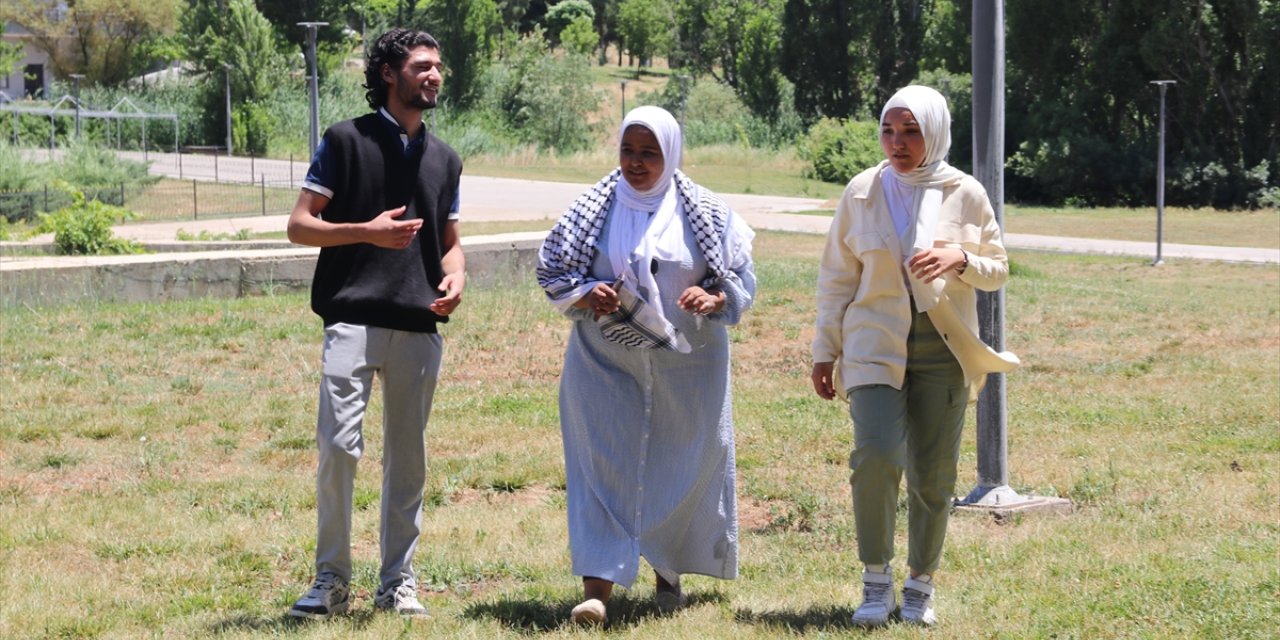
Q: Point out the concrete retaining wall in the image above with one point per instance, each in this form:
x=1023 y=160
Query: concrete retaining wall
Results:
x=220 y=274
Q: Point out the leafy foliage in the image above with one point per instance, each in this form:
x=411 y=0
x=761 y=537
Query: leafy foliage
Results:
x=643 y=26
x=580 y=37
x=840 y=149
x=466 y=30
x=105 y=40
x=543 y=99
x=1093 y=138
x=84 y=228
x=565 y=13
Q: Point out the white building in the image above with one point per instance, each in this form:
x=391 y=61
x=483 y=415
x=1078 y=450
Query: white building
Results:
x=31 y=76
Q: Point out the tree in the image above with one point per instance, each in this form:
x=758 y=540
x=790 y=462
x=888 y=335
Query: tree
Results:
x=466 y=30
x=710 y=34
x=759 y=79
x=1091 y=139
x=580 y=37
x=562 y=14
x=606 y=24
x=286 y=14
x=895 y=43
x=645 y=28
x=10 y=56
x=818 y=57
x=101 y=39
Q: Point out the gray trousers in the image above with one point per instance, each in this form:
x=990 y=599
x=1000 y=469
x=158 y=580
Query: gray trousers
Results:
x=916 y=428
x=408 y=365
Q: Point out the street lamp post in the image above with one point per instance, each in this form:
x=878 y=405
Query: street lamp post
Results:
x=77 y=77
x=1164 y=86
x=312 y=82
x=228 y=69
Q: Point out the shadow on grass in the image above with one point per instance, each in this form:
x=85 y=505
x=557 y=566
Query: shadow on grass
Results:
x=541 y=616
x=827 y=618
x=287 y=624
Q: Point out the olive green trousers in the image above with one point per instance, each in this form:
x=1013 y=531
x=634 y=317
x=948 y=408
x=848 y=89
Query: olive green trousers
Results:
x=916 y=429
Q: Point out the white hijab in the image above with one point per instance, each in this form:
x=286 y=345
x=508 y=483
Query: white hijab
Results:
x=930 y=110
x=644 y=225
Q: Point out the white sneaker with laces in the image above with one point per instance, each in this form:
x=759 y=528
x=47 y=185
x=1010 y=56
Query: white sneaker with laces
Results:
x=917 y=602
x=878 y=599
x=402 y=599
x=328 y=596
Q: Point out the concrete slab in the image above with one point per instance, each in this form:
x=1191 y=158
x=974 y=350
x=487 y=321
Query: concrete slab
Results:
x=41 y=281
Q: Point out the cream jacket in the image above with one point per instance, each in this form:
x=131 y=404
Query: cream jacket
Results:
x=864 y=308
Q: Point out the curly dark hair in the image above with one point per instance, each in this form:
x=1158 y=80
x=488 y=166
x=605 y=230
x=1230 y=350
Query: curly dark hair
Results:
x=391 y=48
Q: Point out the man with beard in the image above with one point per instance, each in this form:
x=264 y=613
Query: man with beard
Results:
x=381 y=201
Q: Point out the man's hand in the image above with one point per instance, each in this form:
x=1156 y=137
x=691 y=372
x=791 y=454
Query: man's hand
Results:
x=452 y=286
x=387 y=232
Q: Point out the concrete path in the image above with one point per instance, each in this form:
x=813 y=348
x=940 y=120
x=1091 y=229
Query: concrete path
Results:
x=758 y=216
x=496 y=199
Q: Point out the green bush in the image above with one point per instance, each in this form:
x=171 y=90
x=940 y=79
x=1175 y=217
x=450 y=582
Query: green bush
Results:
x=545 y=100
x=837 y=150
x=252 y=127
x=84 y=228
x=86 y=166
x=712 y=114
x=580 y=37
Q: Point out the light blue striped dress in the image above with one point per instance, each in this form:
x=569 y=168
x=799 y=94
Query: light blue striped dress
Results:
x=648 y=434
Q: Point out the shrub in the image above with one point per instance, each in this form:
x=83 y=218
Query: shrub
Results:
x=546 y=100
x=84 y=228
x=837 y=150
x=712 y=114
x=88 y=166
x=580 y=37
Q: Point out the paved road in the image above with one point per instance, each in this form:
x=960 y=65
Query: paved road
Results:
x=493 y=199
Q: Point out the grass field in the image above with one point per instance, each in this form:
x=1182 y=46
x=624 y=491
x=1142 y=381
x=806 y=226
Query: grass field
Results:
x=156 y=470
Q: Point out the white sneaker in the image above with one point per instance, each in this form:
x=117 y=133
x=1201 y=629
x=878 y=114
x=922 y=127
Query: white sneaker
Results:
x=917 y=603
x=878 y=599
x=328 y=596
x=402 y=599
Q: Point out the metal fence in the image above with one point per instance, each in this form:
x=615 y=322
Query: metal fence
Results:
x=165 y=199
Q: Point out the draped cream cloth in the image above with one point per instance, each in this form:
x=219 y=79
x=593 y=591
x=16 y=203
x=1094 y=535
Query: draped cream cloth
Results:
x=929 y=179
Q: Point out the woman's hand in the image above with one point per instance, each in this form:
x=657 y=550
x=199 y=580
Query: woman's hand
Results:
x=601 y=300
x=823 y=381
x=699 y=301
x=931 y=264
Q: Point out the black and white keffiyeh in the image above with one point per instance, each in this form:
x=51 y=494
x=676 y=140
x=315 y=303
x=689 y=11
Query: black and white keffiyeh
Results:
x=567 y=253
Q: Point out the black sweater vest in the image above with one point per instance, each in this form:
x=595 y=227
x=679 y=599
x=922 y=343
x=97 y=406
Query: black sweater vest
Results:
x=369 y=285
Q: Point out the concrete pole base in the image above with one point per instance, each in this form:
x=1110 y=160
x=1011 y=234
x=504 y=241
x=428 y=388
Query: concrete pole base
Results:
x=1003 y=501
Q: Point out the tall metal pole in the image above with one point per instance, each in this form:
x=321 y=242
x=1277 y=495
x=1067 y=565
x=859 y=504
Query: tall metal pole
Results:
x=77 y=77
x=993 y=492
x=1164 y=86
x=312 y=81
x=988 y=168
x=228 y=68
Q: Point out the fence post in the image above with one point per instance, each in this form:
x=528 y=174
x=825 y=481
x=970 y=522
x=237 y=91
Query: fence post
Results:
x=179 y=164
x=215 y=167
x=195 y=201
x=264 y=193
x=46 y=197
x=252 y=166
x=290 y=169
x=122 y=194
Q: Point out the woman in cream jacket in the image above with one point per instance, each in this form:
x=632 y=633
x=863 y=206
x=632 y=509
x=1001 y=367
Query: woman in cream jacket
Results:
x=897 y=334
